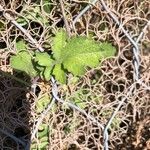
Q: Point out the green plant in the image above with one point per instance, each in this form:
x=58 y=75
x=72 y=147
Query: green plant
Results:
x=42 y=136
x=34 y=14
x=72 y=55
x=42 y=102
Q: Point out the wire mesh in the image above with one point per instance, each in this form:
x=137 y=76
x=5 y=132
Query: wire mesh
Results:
x=119 y=87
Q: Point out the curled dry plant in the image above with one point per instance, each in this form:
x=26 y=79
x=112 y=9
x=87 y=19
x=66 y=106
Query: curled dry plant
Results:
x=98 y=92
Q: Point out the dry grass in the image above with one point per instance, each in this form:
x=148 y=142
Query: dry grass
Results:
x=100 y=90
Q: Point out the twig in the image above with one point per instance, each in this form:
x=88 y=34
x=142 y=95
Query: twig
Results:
x=34 y=84
x=64 y=18
x=143 y=32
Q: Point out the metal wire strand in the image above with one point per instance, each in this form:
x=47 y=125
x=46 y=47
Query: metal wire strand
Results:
x=84 y=11
x=136 y=68
x=17 y=140
x=55 y=95
x=130 y=91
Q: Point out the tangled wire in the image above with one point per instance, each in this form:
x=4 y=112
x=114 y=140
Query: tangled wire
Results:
x=114 y=98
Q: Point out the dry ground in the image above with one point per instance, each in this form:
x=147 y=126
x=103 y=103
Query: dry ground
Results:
x=99 y=91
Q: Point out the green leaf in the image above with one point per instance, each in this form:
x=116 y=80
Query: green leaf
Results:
x=46 y=6
x=81 y=52
x=78 y=53
x=43 y=59
x=43 y=131
x=33 y=14
x=107 y=50
x=59 y=41
x=2 y=25
x=43 y=145
x=42 y=103
x=43 y=138
x=21 y=46
x=59 y=73
x=22 y=21
x=23 y=62
x=47 y=73
x=39 y=68
x=46 y=62
x=80 y=103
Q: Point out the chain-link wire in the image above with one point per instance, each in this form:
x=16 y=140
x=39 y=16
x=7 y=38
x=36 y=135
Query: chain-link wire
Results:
x=136 y=70
x=136 y=63
x=55 y=95
x=19 y=141
x=130 y=91
x=84 y=11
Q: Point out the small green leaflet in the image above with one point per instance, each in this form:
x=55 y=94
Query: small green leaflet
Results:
x=43 y=59
x=79 y=53
x=43 y=139
x=21 y=46
x=33 y=14
x=2 y=25
x=42 y=103
x=47 y=7
x=23 y=62
x=59 y=73
x=32 y=63
x=59 y=41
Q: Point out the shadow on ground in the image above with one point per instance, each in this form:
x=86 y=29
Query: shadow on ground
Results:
x=14 y=112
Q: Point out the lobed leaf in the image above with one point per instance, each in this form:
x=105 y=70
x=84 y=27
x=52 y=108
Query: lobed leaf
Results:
x=59 y=41
x=43 y=59
x=78 y=53
x=59 y=73
x=21 y=46
x=47 y=73
x=23 y=62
